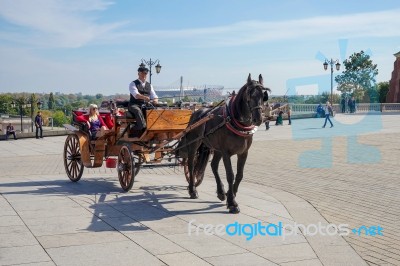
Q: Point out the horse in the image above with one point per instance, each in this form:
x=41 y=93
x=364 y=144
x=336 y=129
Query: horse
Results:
x=229 y=132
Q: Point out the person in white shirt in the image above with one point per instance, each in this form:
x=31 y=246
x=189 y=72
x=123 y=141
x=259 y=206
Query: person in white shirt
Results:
x=141 y=92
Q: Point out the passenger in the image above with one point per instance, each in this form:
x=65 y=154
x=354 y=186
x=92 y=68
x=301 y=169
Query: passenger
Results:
x=95 y=123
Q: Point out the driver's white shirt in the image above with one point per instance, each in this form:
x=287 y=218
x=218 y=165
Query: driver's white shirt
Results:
x=134 y=90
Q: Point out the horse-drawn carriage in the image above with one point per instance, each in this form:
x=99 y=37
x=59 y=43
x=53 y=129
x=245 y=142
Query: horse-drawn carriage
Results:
x=153 y=147
x=180 y=136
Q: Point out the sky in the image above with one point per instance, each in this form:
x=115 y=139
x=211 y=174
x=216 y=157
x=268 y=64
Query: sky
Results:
x=96 y=46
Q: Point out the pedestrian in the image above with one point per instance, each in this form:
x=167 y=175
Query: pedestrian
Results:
x=328 y=111
x=268 y=116
x=279 y=119
x=320 y=111
x=343 y=103
x=39 y=124
x=350 y=105
x=289 y=113
x=353 y=104
x=10 y=131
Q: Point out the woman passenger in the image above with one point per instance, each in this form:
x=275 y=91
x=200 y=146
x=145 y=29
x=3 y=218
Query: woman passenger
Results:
x=95 y=122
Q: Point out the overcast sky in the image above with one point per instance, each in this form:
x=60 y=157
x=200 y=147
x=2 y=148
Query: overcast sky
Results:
x=95 y=46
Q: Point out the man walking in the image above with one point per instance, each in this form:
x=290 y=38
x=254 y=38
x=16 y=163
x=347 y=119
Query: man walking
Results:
x=328 y=111
x=39 y=124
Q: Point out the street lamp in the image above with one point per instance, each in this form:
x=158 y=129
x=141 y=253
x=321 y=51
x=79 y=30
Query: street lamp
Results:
x=150 y=64
x=337 y=65
x=22 y=104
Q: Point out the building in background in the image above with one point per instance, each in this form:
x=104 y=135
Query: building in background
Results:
x=393 y=95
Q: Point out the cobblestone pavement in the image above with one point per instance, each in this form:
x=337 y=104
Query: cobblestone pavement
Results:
x=355 y=194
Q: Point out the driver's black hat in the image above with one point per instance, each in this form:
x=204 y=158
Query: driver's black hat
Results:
x=143 y=69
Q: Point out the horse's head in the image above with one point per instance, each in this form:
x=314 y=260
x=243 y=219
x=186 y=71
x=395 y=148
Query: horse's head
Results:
x=254 y=95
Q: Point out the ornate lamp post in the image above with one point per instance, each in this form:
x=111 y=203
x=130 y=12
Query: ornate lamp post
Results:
x=337 y=64
x=22 y=104
x=150 y=64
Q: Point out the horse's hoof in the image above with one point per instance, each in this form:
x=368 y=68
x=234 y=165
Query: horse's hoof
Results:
x=193 y=195
x=233 y=209
x=221 y=196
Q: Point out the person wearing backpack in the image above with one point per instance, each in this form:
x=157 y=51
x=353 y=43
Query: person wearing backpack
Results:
x=328 y=110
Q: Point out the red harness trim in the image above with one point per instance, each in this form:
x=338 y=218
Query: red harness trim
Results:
x=237 y=123
x=247 y=130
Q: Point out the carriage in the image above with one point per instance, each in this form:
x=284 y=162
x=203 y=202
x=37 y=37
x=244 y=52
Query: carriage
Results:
x=180 y=136
x=127 y=152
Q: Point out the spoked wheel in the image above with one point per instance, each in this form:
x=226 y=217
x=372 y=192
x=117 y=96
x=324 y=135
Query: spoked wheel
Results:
x=72 y=158
x=126 y=168
x=198 y=178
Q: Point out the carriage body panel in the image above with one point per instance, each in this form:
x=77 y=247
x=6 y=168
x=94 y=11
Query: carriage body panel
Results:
x=154 y=147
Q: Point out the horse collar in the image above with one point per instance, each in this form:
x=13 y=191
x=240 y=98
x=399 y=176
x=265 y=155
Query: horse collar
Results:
x=233 y=125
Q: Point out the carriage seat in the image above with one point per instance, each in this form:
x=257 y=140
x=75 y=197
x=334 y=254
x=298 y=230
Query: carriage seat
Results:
x=83 y=117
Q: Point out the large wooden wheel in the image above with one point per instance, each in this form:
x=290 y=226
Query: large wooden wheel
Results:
x=127 y=168
x=72 y=158
x=198 y=177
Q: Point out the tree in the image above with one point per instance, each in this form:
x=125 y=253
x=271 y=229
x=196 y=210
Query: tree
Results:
x=186 y=99
x=383 y=89
x=359 y=77
x=59 y=118
x=51 y=101
x=5 y=104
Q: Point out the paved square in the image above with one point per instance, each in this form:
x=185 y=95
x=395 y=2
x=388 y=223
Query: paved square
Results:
x=47 y=220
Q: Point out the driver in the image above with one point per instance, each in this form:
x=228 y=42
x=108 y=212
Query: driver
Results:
x=141 y=92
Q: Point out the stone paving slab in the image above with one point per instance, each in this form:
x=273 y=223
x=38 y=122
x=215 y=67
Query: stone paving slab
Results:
x=147 y=226
x=158 y=207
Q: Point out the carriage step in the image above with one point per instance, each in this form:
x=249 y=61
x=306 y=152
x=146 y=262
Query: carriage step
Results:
x=157 y=165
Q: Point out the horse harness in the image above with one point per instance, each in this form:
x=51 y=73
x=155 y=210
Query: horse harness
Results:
x=231 y=124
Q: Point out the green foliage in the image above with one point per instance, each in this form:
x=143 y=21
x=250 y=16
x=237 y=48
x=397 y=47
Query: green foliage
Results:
x=383 y=89
x=358 y=79
x=51 y=103
x=5 y=104
x=186 y=99
x=59 y=119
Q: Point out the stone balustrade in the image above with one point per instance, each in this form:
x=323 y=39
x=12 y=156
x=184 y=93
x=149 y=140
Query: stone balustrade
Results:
x=360 y=107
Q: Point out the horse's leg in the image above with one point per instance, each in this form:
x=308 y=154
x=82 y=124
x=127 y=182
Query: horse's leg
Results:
x=239 y=175
x=192 y=152
x=231 y=203
x=214 y=166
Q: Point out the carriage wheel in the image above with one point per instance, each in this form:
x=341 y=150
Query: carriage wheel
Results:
x=126 y=168
x=72 y=158
x=198 y=178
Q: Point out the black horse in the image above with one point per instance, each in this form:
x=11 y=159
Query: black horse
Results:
x=229 y=132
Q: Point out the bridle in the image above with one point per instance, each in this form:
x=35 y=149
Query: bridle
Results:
x=252 y=108
x=233 y=124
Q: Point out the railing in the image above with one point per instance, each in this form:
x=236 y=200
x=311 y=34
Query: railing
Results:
x=391 y=107
x=360 y=107
x=304 y=108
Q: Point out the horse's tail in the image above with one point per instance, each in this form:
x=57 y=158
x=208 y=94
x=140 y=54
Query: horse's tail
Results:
x=202 y=160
